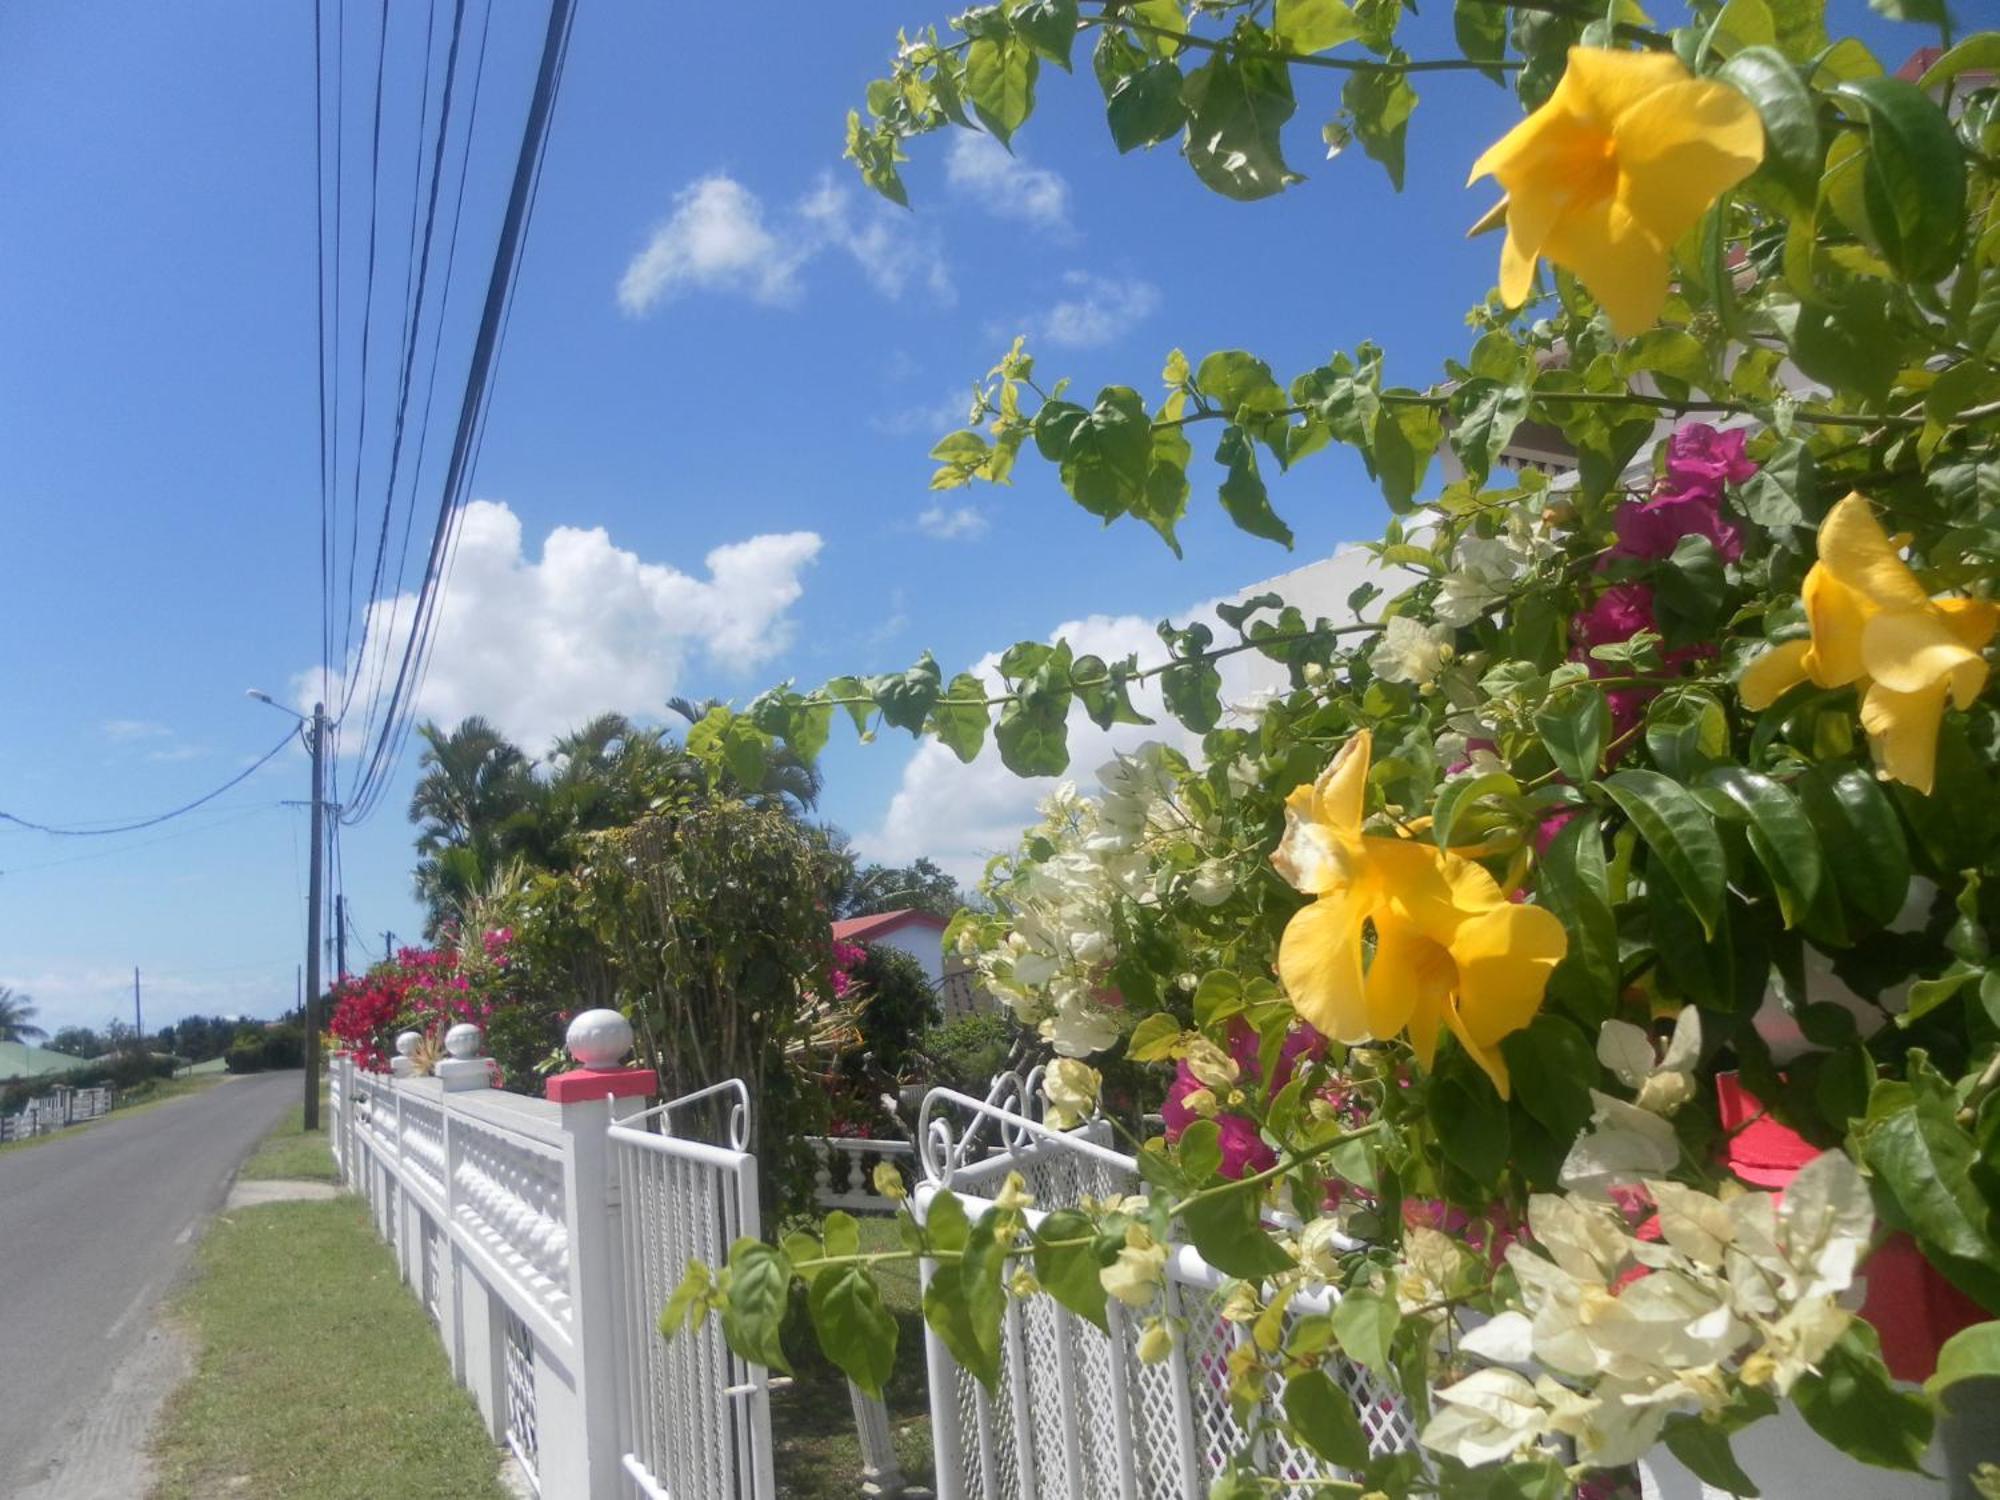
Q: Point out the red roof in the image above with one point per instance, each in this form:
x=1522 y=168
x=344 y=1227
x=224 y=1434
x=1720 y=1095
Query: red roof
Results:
x=882 y=923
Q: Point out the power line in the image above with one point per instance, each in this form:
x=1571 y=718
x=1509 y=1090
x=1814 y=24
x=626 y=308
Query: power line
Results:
x=234 y=815
x=394 y=727
x=86 y=831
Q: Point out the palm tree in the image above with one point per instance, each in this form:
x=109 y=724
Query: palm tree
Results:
x=790 y=781
x=16 y=1013
x=474 y=805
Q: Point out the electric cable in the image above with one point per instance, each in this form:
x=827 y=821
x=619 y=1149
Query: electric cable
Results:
x=83 y=831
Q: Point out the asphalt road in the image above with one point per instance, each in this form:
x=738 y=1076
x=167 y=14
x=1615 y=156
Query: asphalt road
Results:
x=95 y=1227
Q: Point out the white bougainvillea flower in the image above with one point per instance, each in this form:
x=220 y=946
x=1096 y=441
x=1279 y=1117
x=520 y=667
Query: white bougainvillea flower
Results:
x=1624 y=1144
x=1825 y=1220
x=1135 y=1277
x=1214 y=883
x=1071 y=1089
x=1410 y=651
x=1486 y=1417
x=1665 y=1083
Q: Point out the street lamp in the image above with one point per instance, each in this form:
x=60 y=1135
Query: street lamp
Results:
x=315 y=737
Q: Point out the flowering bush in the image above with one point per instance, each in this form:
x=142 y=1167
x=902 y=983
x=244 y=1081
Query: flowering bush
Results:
x=1666 y=783
x=427 y=990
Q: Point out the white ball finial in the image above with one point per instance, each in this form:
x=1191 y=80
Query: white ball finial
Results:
x=599 y=1038
x=407 y=1042
x=462 y=1040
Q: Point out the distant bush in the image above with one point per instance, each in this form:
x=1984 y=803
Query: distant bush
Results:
x=966 y=1053
x=261 y=1048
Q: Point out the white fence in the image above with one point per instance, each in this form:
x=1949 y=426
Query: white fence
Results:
x=1076 y=1412
x=54 y=1111
x=544 y=1239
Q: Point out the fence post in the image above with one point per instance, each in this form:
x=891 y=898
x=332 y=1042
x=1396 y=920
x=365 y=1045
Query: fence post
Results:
x=881 y=1471
x=593 y=1096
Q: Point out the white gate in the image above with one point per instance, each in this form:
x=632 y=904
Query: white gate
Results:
x=1076 y=1413
x=697 y=1420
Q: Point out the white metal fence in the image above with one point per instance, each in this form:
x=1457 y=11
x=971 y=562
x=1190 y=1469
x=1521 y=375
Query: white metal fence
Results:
x=544 y=1239
x=1076 y=1412
x=56 y=1110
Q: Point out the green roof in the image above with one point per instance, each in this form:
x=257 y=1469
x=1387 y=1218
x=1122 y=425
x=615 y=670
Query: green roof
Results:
x=19 y=1060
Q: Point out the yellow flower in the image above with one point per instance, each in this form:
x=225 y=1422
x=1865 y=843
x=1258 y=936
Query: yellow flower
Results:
x=1450 y=949
x=1623 y=160
x=1874 y=626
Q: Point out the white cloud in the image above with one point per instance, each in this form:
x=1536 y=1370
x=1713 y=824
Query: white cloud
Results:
x=714 y=240
x=959 y=814
x=1096 y=310
x=541 y=645
x=1005 y=184
x=965 y=523
x=135 y=729
x=719 y=238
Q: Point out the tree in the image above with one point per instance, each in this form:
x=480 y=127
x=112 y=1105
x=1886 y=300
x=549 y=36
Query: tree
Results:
x=785 y=777
x=472 y=804
x=920 y=886
x=77 y=1041
x=17 y=1017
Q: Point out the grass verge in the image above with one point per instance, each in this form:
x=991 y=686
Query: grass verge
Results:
x=318 y=1376
x=812 y=1420
x=290 y=1152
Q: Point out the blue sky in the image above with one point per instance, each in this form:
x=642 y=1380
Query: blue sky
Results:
x=773 y=374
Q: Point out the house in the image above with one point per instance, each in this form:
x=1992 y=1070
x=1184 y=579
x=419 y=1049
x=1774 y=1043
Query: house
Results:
x=18 y=1061
x=921 y=935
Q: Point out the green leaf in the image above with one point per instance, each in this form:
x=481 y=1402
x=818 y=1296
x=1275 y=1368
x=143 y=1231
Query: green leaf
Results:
x=959 y=717
x=1365 y=1322
x=1924 y=1159
x=1481 y=29
x=1308 y=26
x=1243 y=493
x=1573 y=726
x=1704 y=1447
x=1681 y=835
x=946 y=1223
x=1199 y=1151
x=1458 y=796
x=1068 y=1272
x=1871 y=863
x=1913 y=176
x=1470 y=1120
x=1552 y=1066
x=1781 y=836
x=906 y=698
x=1237 y=104
x=1405 y=438
x=1852 y=1403
x=1381 y=102
x=1033 y=732
x=1768 y=80
x=1048 y=25
x=1000 y=81
x=1484 y=416
x=1970 y=1354
x=855 y=1330
x=759 y=1279
x=1144 y=108
x=1231 y=378
x=1323 y=1414
x=1225 y=1228
x=1108 y=454
x=746 y=752
x=949 y=1316
x=1154 y=1038
x=693 y=1288
x=1575 y=884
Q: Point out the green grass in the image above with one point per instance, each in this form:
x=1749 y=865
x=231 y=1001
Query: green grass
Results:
x=289 y=1152
x=213 y=1065
x=812 y=1419
x=319 y=1376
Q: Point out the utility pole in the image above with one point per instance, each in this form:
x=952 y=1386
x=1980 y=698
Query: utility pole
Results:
x=388 y=945
x=311 y=998
x=340 y=937
x=138 y=1015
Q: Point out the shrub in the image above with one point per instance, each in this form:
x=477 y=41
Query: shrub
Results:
x=966 y=1053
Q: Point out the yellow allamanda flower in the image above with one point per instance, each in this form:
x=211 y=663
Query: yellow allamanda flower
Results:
x=1874 y=626
x=1624 y=159
x=1450 y=949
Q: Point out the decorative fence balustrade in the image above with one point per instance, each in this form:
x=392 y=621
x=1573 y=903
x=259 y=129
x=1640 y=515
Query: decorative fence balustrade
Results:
x=1076 y=1412
x=55 y=1111
x=543 y=1236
